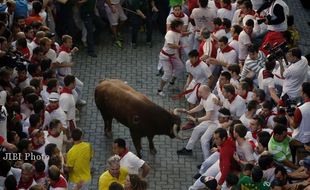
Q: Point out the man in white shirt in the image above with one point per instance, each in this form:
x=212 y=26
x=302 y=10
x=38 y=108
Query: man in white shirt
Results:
x=245 y=40
x=227 y=10
x=55 y=133
x=205 y=123
x=129 y=160
x=169 y=56
x=67 y=102
x=45 y=44
x=295 y=74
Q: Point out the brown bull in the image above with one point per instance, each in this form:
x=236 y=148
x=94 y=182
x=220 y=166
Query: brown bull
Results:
x=115 y=99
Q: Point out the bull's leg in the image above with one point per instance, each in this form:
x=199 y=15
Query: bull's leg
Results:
x=108 y=127
x=137 y=142
x=151 y=145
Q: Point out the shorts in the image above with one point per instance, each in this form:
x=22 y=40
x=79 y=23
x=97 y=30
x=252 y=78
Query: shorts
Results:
x=115 y=17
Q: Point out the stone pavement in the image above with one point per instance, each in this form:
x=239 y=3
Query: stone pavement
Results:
x=138 y=68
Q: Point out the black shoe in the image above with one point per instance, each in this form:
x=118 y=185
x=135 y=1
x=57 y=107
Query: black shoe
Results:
x=197 y=176
x=160 y=72
x=149 y=44
x=184 y=151
x=199 y=166
x=171 y=82
x=92 y=55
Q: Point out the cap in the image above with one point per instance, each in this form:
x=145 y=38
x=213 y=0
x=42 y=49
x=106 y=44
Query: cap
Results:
x=50 y=34
x=209 y=182
x=53 y=97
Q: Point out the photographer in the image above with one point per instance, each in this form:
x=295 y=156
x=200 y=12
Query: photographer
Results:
x=295 y=74
x=277 y=10
x=301 y=118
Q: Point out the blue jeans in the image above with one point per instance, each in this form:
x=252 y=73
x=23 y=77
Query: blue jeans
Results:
x=89 y=25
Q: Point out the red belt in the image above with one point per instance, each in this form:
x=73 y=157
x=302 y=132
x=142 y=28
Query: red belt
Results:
x=178 y=96
x=166 y=54
x=278 y=76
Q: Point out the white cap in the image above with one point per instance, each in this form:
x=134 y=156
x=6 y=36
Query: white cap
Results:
x=53 y=97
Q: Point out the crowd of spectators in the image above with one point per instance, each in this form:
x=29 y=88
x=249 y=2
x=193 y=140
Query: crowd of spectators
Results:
x=248 y=95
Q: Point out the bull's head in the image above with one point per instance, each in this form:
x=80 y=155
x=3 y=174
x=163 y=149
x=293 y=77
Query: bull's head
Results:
x=177 y=125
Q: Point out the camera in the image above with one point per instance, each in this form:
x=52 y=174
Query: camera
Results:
x=13 y=58
x=276 y=51
x=290 y=106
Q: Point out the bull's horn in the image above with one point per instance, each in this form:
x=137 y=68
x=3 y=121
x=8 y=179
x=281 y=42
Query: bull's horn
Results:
x=176 y=111
x=176 y=134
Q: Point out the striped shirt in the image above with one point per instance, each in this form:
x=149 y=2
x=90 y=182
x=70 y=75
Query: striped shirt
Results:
x=253 y=65
x=280 y=150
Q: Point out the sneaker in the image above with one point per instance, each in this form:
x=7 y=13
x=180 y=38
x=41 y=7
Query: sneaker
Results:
x=171 y=82
x=199 y=166
x=81 y=102
x=160 y=72
x=197 y=176
x=160 y=93
x=118 y=44
x=188 y=125
x=184 y=151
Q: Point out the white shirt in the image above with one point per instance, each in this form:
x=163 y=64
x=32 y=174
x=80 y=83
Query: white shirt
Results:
x=218 y=91
x=171 y=37
x=3 y=121
x=245 y=121
x=171 y=18
x=302 y=132
x=62 y=58
x=225 y=13
x=55 y=140
x=3 y=95
x=209 y=106
x=243 y=42
x=265 y=84
x=132 y=162
x=51 y=54
x=203 y=17
x=245 y=151
x=45 y=95
x=227 y=57
x=294 y=76
x=58 y=114
x=200 y=73
x=237 y=107
x=67 y=103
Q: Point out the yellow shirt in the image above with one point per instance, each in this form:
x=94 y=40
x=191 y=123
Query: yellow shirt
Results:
x=78 y=158
x=106 y=179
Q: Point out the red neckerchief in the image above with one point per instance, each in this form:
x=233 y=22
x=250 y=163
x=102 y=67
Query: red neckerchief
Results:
x=180 y=16
x=66 y=90
x=307 y=100
x=53 y=47
x=24 y=185
x=200 y=49
x=255 y=133
x=234 y=97
x=30 y=130
x=267 y=118
x=26 y=52
x=39 y=176
x=50 y=108
x=36 y=147
x=236 y=38
x=218 y=28
x=218 y=4
x=34 y=60
x=267 y=74
x=44 y=82
x=124 y=153
x=175 y=31
x=245 y=95
x=64 y=48
x=214 y=49
x=21 y=79
x=50 y=134
x=227 y=6
x=30 y=39
x=18 y=117
x=61 y=183
x=49 y=90
x=252 y=13
x=227 y=49
x=196 y=63
x=35 y=41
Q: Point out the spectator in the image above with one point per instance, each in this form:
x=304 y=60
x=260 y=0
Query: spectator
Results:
x=115 y=173
x=78 y=160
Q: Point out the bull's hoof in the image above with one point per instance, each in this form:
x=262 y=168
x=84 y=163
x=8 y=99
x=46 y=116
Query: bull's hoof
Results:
x=153 y=151
x=108 y=134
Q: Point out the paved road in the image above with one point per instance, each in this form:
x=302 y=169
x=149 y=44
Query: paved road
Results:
x=138 y=68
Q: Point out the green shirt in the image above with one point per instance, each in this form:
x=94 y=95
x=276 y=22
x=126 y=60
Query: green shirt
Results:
x=175 y=2
x=280 y=150
x=246 y=183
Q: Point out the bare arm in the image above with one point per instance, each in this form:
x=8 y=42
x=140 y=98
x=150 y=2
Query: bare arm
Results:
x=195 y=109
x=145 y=169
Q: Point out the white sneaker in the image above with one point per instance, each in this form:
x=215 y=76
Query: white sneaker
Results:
x=81 y=102
x=161 y=93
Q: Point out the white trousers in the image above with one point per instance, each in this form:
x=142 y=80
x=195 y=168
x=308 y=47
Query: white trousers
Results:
x=196 y=134
x=171 y=66
x=205 y=140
